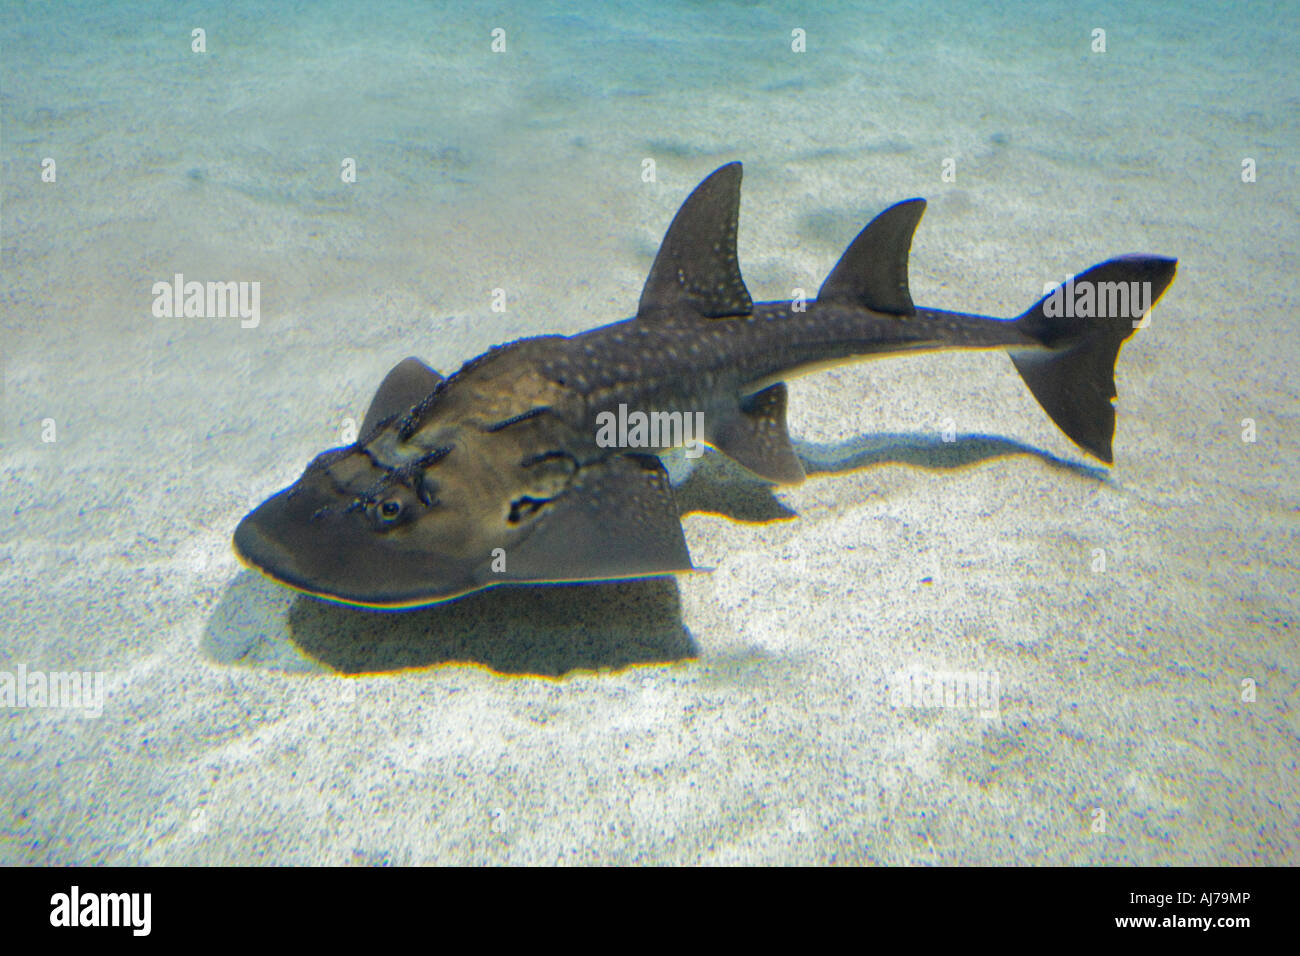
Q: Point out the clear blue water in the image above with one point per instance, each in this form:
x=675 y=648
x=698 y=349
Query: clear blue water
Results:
x=697 y=718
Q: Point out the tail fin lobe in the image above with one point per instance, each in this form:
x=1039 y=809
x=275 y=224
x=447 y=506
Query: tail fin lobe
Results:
x=1082 y=325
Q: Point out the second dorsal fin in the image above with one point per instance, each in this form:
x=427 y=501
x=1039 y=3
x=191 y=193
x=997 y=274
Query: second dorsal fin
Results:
x=696 y=266
x=873 y=270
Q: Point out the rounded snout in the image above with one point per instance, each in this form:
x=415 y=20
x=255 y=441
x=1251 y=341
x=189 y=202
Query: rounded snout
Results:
x=308 y=539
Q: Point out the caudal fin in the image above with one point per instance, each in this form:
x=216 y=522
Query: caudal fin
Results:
x=1082 y=325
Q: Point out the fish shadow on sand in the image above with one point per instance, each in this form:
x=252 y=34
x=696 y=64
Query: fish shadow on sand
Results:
x=538 y=630
x=552 y=630
x=930 y=452
x=719 y=486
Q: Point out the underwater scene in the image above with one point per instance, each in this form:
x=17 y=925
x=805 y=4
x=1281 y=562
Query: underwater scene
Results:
x=934 y=501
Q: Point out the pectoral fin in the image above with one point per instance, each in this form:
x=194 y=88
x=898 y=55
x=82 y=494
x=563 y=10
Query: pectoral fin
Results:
x=756 y=437
x=409 y=382
x=617 y=520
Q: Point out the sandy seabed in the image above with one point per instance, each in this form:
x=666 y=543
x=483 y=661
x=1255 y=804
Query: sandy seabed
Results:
x=760 y=712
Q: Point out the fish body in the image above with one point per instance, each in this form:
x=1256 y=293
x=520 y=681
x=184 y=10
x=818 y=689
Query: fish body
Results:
x=538 y=460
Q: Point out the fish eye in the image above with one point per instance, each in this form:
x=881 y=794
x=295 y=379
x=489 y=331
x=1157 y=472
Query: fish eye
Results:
x=388 y=511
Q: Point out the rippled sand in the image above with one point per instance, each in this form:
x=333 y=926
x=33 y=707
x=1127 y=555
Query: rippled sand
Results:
x=761 y=712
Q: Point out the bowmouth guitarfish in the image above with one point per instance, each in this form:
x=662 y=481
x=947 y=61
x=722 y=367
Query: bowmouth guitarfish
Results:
x=512 y=470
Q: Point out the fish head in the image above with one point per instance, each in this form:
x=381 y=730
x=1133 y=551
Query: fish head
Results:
x=355 y=530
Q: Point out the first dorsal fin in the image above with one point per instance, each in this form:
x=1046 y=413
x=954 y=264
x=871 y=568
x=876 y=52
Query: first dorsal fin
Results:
x=696 y=266
x=873 y=270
